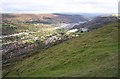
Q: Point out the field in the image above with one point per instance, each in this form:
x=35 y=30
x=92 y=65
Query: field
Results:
x=93 y=54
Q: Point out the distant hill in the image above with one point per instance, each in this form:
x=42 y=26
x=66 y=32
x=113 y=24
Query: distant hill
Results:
x=94 y=54
x=50 y=18
x=97 y=22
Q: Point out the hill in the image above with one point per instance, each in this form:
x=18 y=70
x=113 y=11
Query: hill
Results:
x=50 y=18
x=93 y=54
x=97 y=22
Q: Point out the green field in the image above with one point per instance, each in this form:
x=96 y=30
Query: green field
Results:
x=93 y=54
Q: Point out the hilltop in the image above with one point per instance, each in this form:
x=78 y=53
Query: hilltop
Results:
x=94 y=54
x=50 y=18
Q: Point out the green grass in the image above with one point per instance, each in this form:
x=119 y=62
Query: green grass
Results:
x=94 y=54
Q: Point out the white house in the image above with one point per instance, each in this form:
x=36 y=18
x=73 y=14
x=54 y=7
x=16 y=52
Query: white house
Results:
x=84 y=29
x=72 y=31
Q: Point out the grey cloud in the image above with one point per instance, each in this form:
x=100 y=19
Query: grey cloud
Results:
x=59 y=6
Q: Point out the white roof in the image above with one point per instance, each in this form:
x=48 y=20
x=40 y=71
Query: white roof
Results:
x=73 y=30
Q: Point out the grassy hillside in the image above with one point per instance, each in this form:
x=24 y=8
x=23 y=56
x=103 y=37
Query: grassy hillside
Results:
x=92 y=54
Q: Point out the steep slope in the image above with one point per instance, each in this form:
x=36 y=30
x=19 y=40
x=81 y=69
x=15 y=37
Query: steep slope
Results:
x=93 y=54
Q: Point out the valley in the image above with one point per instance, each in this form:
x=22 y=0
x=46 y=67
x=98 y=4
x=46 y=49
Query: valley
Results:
x=20 y=37
x=37 y=39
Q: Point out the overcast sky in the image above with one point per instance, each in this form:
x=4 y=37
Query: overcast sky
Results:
x=57 y=6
